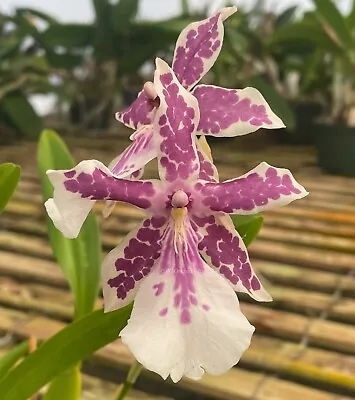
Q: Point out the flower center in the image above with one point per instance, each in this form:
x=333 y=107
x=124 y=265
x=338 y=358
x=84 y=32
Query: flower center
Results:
x=179 y=199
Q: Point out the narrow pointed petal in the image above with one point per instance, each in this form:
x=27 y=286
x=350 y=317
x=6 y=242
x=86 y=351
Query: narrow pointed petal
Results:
x=208 y=171
x=198 y=47
x=175 y=126
x=125 y=266
x=223 y=249
x=263 y=188
x=76 y=190
x=140 y=112
x=186 y=318
x=233 y=112
x=136 y=155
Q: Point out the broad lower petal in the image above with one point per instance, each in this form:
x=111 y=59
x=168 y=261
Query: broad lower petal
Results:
x=136 y=155
x=208 y=171
x=263 y=188
x=223 y=249
x=125 y=266
x=198 y=47
x=76 y=190
x=140 y=112
x=233 y=112
x=175 y=125
x=186 y=320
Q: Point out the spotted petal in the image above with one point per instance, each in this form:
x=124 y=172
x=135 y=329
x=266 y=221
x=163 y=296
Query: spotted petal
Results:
x=175 y=125
x=137 y=155
x=75 y=190
x=186 y=318
x=198 y=47
x=233 y=112
x=140 y=112
x=223 y=248
x=208 y=171
x=263 y=188
x=126 y=265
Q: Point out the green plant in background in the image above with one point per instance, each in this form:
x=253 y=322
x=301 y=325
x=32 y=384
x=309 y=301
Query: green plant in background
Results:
x=23 y=71
x=107 y=54
x=9 y=178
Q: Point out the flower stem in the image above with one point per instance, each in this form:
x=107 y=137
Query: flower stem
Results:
x=132 y=376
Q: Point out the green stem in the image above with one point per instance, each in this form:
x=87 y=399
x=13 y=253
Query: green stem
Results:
x=132 y=376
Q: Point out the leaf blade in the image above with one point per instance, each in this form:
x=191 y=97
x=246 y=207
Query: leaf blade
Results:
x=65 y=349
x=248 y=226
x=9 y=178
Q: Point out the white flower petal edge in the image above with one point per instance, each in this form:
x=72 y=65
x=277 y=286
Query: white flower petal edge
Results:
x=212 y=342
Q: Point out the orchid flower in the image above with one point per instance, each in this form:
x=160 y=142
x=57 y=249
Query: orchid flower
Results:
x=223 y=112
x=184 y=262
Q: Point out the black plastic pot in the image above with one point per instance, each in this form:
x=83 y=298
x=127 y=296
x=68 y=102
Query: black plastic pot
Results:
x=305 y=115
x=336 y=149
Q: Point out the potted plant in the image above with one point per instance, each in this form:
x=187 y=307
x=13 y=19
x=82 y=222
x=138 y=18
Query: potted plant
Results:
x=333 y=34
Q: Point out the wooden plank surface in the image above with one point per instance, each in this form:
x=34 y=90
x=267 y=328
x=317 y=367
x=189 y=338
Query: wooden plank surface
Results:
x=303 y=252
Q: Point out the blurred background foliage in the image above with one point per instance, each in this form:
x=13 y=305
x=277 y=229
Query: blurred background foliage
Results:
x=303 y=63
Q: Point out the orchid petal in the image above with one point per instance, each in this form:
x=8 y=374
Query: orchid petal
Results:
x=175 y=126
x=233 y=112
x=126 y=265
x=137 y=155
x=75 y=190
x=223 y=249
x=140 y=112
x=263 y=188
x=208 y=171
x=198 y=47
x=186 y=318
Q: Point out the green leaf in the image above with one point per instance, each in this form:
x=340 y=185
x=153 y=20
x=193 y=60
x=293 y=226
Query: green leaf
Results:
x=21 y=113
x=65 y=349
x=248 y=226
x=185 y=7
x=80 y=259
x=41 y=15
x=307 y=32
x=66 y=386
x=123 y=13
x=65 y=61
x=330 y=15
x=68 y=35
x=12 y=357
x=9 y=178
x=277 y=103
x=286 y=17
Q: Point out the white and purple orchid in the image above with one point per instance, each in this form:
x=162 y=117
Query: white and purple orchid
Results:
x=184 y=262
x=223 y=112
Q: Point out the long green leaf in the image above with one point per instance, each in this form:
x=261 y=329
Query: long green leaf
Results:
x=21 y=113
x=123 y=13
x=277 y=103
x=66 y=386
x=12 y=357
x=9 y=177
x=68 y=35
x=80 y=258
x=332 y=17
x=248 y=226
x=74 y=343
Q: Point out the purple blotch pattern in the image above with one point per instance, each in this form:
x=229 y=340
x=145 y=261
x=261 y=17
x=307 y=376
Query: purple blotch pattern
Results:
x=98 y=185
x=139 y=257
x=221 y=108
x=140 y=112
x=182 y=268
x=176 y=128
x=136 y=155
x=207 y=169
x=250 y=192
x=202 y=42
x=227 y=253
